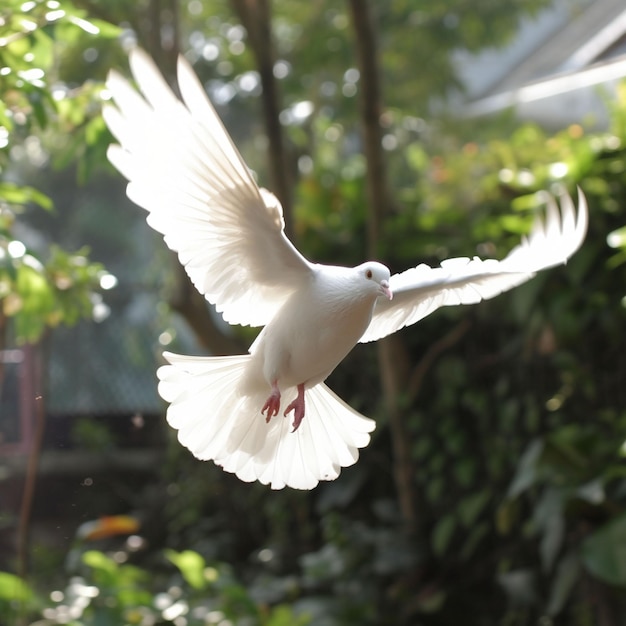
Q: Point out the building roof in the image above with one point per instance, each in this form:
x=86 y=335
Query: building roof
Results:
x=552 y=70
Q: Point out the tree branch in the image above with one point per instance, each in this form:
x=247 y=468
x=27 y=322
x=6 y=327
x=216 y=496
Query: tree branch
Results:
x=416 y=379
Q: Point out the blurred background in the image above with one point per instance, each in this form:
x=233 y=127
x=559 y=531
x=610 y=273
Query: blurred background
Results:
x=494 y=489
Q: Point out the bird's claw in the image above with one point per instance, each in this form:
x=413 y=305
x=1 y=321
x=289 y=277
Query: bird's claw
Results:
x=298 y=414
x=272 y=405
x=297 y=406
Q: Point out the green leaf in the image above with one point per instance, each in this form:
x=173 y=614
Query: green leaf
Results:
x=417 y=157
x=475 y=535
x=99 y=561
x=14 y=588
x=442 y=534
x=42 y=48
x=105 y=29
x=191 y=566
x=604 y=552
x=37 y=300
x=17 y=194
x=33 y=287
x=471 y=507
x=283 y=615
x=549 y=519
x=593 y=491
x=95 y=129
x=526 y=473
x=565 y=578
x=5 y=120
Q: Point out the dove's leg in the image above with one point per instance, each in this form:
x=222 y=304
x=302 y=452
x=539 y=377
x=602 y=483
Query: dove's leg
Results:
x=272 y=404
x=297 y=406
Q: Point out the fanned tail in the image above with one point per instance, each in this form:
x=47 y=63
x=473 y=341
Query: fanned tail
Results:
x=218 y=420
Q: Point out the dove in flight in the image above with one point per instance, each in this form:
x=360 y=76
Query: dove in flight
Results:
x=184 y=169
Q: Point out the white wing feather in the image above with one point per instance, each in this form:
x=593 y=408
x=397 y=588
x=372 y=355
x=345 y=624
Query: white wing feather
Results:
x=419 y=291
x=185 y=171
x=216 y=423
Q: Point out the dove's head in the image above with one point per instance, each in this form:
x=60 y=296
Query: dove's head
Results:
x=375 y=277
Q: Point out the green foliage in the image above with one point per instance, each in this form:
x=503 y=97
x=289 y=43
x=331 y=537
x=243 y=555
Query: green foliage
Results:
x=555 y=536
x=110 y=593
x=13 y=588
x=603 y=552
x=192 y=566
x=16 y=597
x=516 y=430
x=40 y=296
x=32 y=35
x=573 y=474
x=14 y=194
x=93 y=436
x=39 y=289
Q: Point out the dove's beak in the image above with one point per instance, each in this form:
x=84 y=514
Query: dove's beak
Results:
x=385 y=290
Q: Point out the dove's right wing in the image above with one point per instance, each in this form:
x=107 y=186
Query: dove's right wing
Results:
x=184 y=169
x=421 y=290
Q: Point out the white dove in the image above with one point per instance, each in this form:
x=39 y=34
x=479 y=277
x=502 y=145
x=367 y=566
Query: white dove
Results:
x=184 y=169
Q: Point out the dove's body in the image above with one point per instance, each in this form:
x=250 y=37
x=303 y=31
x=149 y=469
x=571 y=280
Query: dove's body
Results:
x=315 y=329
x=185 y=171
x=309 y=336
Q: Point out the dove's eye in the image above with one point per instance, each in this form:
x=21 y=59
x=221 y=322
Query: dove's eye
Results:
x=368 y=274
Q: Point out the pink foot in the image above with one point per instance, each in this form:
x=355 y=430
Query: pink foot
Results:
x=297 y=406
x=272 y=404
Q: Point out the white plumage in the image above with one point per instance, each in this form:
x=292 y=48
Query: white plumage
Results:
x=183 y=168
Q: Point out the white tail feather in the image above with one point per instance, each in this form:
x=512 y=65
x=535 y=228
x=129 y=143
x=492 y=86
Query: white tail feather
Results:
x=218 y=421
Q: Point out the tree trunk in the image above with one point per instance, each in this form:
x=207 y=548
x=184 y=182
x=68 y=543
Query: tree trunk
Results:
x=32 y=359
x=193 y=307
x=392 y=356
x=162 y=34
x=370 y=102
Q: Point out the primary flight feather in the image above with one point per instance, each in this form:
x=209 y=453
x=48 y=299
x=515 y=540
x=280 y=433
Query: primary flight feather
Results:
x=184 y=169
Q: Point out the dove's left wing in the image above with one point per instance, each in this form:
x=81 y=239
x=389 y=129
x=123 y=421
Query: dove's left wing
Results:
x=184 y=169
x=417 y=292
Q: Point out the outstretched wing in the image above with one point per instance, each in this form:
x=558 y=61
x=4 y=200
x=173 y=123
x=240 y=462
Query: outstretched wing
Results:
x=422 y=289
x=184 y=169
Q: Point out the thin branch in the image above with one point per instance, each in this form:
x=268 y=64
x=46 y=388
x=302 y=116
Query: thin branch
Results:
x=426 y=362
